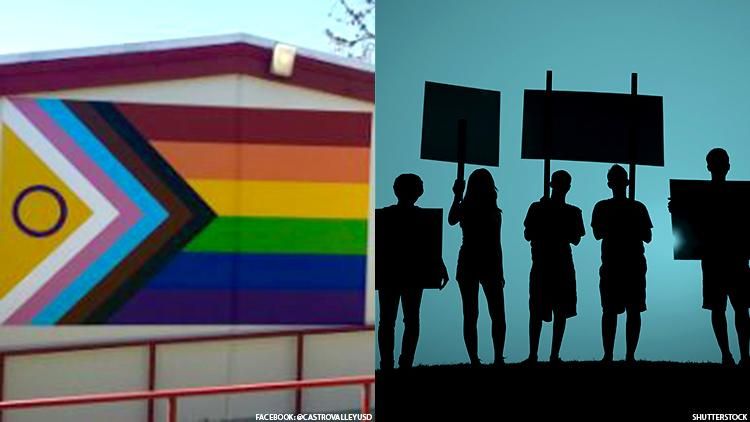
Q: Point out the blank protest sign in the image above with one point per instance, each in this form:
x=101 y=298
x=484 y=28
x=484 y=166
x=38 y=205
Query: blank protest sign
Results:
x=710 y=218
x=444 y=105
x=593 y=126
x=408 y=247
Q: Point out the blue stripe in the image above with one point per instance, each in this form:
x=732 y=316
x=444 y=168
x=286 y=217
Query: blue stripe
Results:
x=198 y=270
x=153 y=213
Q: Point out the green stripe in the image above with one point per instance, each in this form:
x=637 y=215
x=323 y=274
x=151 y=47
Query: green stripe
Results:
x=282 y=235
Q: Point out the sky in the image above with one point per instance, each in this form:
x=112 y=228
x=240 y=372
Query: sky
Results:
x=692 y=53
x=37 y=25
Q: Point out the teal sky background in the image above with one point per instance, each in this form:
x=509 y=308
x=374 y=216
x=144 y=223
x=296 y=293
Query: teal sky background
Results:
x=36 y=25
x=693 y=53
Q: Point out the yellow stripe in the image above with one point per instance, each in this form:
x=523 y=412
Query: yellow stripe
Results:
x=284 y=199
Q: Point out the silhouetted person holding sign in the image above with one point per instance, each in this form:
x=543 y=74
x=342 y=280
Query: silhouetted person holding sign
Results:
x=622 y=225
x=408 y=188
x=552 y=226
x=724 y=262
x=480 y=258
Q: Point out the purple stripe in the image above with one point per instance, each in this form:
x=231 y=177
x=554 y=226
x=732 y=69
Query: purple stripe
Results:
x=252 y=307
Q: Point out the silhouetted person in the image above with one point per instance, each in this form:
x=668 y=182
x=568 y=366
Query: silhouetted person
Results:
x=552 y=226
x=408 y=188
x=622 y=225
x=724 y=262
x=480 y=258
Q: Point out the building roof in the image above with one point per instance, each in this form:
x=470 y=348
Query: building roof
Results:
x=180 y=59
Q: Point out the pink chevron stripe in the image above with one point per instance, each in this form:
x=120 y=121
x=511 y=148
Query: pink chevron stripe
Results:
x=129 y=212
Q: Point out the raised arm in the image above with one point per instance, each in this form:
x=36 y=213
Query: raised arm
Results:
x=454 y=215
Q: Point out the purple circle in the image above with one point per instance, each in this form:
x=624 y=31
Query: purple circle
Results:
x=40 y=233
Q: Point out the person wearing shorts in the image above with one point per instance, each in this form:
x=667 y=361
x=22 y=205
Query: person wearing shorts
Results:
x=551 y=225
x=724 y=261
x=623 y=225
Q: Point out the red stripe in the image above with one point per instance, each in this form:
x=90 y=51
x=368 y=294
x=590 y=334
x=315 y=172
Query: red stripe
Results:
x=179 y=63
x=244 y=125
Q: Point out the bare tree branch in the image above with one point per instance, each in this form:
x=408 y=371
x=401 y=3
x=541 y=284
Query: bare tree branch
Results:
x=355 y=33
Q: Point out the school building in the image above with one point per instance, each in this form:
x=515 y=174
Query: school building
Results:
x=60 y=336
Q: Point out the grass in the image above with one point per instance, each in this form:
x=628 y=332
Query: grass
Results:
x=574 y=390
x=577 y=364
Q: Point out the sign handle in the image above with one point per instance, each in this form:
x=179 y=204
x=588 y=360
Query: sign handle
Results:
x=461 y=149
x=547 y=133
x=631 y=140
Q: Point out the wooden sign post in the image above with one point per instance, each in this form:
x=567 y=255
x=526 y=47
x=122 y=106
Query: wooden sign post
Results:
x=461 y=152
x=547 y=133
x=631 y=133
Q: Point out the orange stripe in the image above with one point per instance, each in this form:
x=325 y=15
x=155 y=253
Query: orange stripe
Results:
x=210 y=160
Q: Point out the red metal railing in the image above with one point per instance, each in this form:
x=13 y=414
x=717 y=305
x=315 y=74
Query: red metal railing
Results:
x=171 y=395
x=153 y=344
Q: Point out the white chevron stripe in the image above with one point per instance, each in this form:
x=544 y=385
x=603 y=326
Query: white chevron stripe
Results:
x=103 y=212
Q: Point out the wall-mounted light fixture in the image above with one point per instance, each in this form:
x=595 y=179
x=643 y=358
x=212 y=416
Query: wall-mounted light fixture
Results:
x=282 y=63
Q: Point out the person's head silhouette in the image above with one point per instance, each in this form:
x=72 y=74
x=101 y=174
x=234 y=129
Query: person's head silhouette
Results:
x=617 y=180
x=408 y=188
x=717 y=162
x=480 y=190
x=560 y=184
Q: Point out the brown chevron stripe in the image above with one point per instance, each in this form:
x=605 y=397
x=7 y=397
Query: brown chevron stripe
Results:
x=179 y=216
x=202 y=214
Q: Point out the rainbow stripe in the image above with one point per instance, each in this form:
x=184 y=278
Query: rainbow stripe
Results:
x=189 y=214
x=290 y=190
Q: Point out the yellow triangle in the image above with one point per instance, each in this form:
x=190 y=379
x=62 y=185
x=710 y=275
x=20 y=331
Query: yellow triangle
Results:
x=21 y=168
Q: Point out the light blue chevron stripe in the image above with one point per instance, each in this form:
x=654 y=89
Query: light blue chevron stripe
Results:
x=153 y=213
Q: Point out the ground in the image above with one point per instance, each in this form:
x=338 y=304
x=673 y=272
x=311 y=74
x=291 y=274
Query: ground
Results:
x=570 y=391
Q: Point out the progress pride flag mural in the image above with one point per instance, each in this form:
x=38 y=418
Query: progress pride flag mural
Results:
x=114 y=213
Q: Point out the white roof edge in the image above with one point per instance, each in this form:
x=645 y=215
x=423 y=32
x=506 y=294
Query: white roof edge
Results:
x=137 y=47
